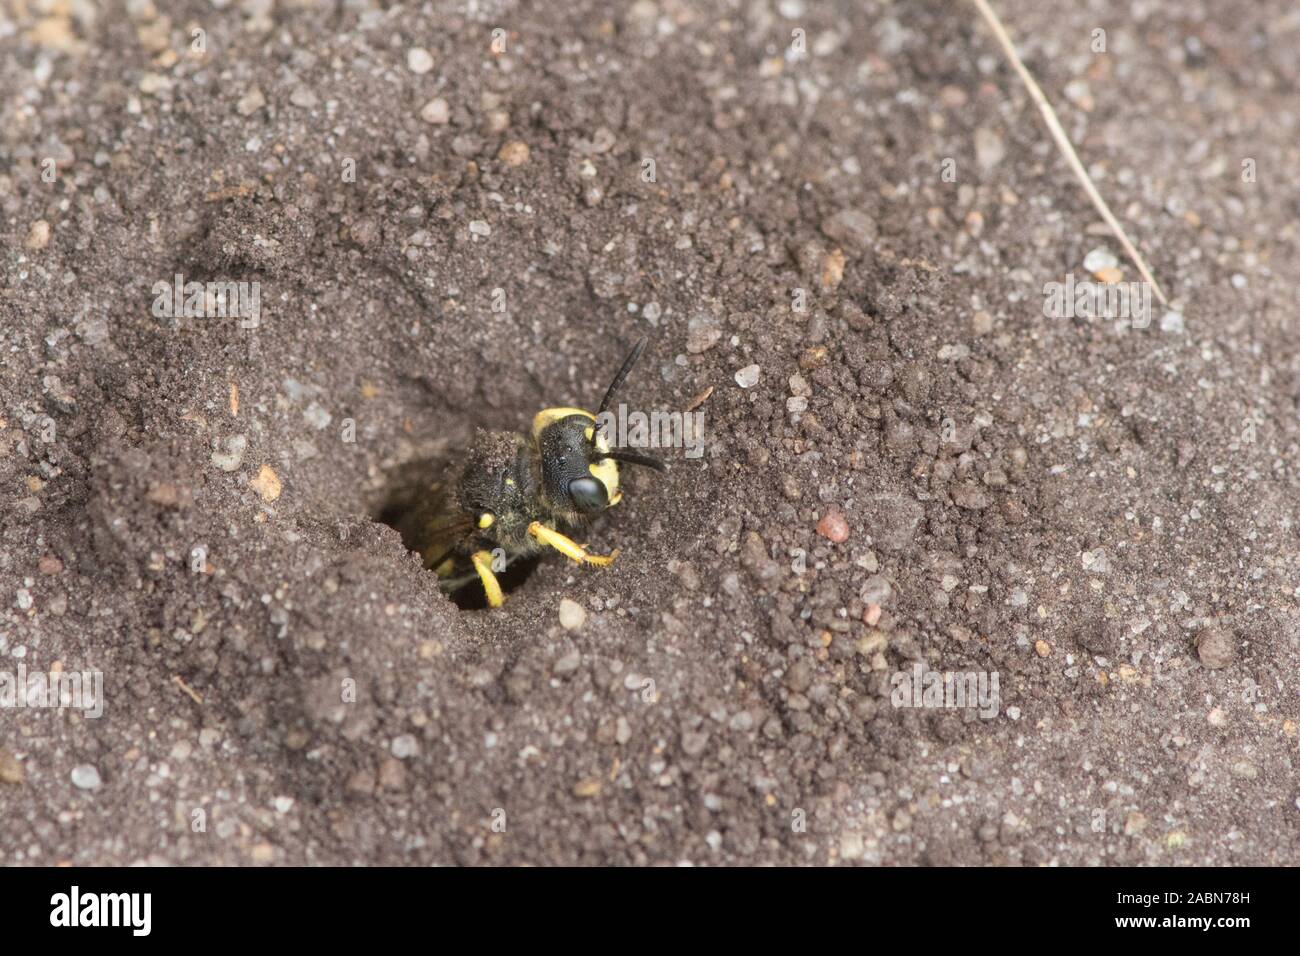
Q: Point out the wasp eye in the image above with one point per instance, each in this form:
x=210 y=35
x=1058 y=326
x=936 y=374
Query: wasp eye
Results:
x=588 y=495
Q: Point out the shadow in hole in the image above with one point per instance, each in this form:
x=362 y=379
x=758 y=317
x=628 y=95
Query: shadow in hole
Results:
x=470 y=597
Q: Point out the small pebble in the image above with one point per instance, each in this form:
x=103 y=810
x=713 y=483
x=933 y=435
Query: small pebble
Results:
x=233 y=456
x=38 y=236
x=852 y=227
x=852 y=846
x=262 y=853
x=419 y=60
x=317 y=417
x=813 y=358
x=833 y=527
x=392 y=775
x=267 y=484
x=694 y=742
x=514 y=153
x=11 y=771
x=572 y=615
x=85 y=777
x=568 y=662
x=872 y=643
x=833 y=268
x=1215 y=647
x=747 y=377
x=405 y=746
x=989 y=148
x=153 y=83
x=437 y=112
x=876 y=590
x=702 y=333
x=1135 y=823
x=1099 y=259
x=250 y=102
x=799 y=677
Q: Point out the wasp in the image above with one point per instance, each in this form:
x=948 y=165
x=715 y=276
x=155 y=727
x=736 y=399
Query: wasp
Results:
x=518 y=495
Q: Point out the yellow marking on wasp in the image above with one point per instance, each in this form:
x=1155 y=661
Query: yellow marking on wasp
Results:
x=444 y=570
x=568 y=547
x=549 y=416
x=606 y=470
x=485 y=519
x=589 y=433
x=491 y=587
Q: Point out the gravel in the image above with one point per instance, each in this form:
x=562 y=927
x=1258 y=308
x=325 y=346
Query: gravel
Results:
x=801 y=236
x=86 y=777
x=572 y=615
x=1216 y=647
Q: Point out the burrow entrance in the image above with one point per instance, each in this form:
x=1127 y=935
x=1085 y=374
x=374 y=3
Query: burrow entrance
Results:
x=407 y=497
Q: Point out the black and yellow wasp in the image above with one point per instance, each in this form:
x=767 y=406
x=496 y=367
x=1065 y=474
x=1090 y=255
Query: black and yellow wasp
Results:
x=517 y=495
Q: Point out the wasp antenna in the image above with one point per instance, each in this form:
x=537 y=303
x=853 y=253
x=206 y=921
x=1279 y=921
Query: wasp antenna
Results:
x=632 y=458
x=623 y=373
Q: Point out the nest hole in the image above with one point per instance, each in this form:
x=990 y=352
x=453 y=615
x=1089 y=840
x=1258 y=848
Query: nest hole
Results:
x=402 y=498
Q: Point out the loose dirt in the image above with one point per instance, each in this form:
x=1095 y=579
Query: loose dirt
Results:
x=924 y=469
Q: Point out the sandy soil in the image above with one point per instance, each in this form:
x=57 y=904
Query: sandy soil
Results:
x=1103 y=516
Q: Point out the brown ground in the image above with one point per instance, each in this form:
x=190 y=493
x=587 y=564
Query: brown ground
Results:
x=1101 y=495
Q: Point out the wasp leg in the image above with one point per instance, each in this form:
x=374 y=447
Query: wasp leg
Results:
x=568 y=547
x=483 y=565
